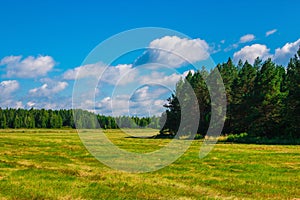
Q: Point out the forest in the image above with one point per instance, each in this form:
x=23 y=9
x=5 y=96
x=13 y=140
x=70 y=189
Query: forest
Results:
x=42 y=118
x=263 y=100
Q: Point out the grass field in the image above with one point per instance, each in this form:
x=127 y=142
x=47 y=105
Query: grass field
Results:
x=53 y=164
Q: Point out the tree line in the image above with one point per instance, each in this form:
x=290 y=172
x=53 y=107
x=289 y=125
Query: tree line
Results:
x=42 y=118
x=263 y=99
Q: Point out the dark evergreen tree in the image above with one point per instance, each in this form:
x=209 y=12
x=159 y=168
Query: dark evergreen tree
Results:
x=292 y=109
x=242 y=89
x=229 y=73
x=266 y=101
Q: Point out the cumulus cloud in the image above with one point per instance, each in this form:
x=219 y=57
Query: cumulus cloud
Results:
x=141 y=93
x=247 y=38
x=44 y=96
x=85 y=71
x=114 y=106
x=148 y=107
x=147 y=92
x=174 y=51
x=119 y=105
x=120 y=74
x=283 y=54
x=55 y=103
x=48 y=95
x=160 y=78
x=250 y=53
x=271 y=32
x=48 y=89
x=30 y=104
x=11 y=103
x=148 y=100
x=30 y=67
x=8 y=87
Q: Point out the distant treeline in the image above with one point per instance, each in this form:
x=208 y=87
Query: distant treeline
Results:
x=263 y=99
x=42 y=118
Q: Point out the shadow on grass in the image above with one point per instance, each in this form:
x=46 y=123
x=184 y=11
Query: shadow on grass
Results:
x=165 y=136
x=244 y=138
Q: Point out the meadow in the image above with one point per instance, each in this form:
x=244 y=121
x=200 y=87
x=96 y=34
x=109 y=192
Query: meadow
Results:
x=54 y=164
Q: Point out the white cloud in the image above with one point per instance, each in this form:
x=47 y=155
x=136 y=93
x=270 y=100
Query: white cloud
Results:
x=11 y=103
x=230 y=47
x=18 y=104
x=141 y=93
x=244 y=39
x=29 y=67
x=283 y=54
x=148 y=100
x=271 y=32
x=120 y=105
x=48 y=89
x=55 y=103
x=148 y=107
x=30 y=104
x=40 y=97
x=120 y=74
x=250 y=53
x=114 y=106
x=85 y=71
x=147 y=92
x=160 y=78
x=175 y=52
x=8 y=87
x=247 y=38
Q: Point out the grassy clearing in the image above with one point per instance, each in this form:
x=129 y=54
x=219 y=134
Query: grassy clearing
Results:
x=53 y=164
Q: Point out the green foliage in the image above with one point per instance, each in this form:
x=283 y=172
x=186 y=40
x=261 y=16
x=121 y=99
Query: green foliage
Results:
x=242 y=90
x=263 y=99
x=33 y=118
x=248 y=139
x=173 y=116
x=266 y=101
x=292 y=109
x=236 y=137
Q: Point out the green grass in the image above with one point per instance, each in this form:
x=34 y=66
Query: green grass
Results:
x=248 y=139
x=53 y=164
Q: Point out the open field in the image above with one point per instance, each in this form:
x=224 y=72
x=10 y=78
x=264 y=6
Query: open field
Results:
x=53 y=164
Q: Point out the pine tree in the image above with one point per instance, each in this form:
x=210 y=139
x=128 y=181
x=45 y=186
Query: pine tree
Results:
x=229 y=73
x=3 y=123
x=242 y=88
x=266 y=101
x=292 y=113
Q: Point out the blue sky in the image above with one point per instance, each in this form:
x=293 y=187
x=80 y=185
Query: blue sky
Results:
x=42 y=43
